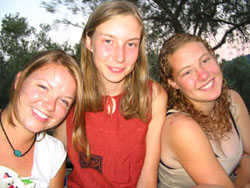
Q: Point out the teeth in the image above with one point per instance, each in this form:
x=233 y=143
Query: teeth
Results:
x=116 y=69
x=208 y=85
x=40 y=114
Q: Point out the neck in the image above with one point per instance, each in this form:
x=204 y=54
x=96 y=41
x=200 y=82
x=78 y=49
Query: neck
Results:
x=205 y=107
x=23 y=137
x=18 y=152
x=113 y=89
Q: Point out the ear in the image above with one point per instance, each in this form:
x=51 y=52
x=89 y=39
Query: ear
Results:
x=173 y=83
x=88 y=43
x=17 y=78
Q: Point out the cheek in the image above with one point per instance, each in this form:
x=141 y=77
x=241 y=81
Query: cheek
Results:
x=29 y=95
x=215 y=69
x=131 y=57
x=102 y=52
x=186 y=84
x=61 y=112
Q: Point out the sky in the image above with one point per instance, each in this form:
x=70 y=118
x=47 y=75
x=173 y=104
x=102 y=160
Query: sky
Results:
x=35 y=15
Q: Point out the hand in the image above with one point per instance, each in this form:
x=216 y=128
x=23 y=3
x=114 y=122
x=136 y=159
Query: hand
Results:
x=247 y=186
x=243 y=169
x=243 y=173
x=209 y=186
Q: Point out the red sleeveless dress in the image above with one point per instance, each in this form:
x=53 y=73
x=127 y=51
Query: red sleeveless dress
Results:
x=118 y=149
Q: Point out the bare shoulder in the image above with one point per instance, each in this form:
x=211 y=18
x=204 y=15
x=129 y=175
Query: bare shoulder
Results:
x=158 y=91
x=234 y=95
x=238 y=106
x=236 y=99
x=181 y=127
x=179 y=120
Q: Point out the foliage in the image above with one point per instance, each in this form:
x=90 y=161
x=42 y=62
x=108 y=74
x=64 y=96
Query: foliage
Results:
x=218 y=20
x=153 y=66
x=236 y=73
x=18 y=42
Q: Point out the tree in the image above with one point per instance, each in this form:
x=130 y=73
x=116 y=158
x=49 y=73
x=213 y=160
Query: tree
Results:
x=18 y=42
x=236 y=73
x=219 y=20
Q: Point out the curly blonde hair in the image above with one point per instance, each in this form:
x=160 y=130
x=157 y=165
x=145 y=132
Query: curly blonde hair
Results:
x=217 y=124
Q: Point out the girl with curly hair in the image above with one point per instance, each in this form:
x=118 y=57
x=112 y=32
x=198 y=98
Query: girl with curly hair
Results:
x=207 y=128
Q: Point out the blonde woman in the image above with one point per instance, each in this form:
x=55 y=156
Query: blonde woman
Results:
x=43 y=93
x=125 y=109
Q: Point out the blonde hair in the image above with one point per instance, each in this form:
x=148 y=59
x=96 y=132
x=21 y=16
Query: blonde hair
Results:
x=40 y=60
x=136 y=99
x=216 y=125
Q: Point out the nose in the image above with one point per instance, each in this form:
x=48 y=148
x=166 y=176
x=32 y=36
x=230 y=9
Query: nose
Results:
x=119 y=54
x=50 y=103
x=202 y=74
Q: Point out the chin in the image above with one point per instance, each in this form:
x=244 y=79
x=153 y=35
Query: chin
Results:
x=214 y=97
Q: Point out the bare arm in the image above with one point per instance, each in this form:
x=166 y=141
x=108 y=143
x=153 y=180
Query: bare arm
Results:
x=191 y=148
x=148 y=177
x=208 y=186
x=58 y=180
x=243 y=121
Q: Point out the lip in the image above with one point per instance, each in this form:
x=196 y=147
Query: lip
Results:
x=208 y=85
x=39 y=115
x=116 y=69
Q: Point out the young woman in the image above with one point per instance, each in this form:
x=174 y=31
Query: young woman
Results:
x=43 y=93
x=207 y=127
x=125 y=109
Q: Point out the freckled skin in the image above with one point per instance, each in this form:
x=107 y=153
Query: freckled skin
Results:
x=45 y=98
x=115 y=47
x=198 y=76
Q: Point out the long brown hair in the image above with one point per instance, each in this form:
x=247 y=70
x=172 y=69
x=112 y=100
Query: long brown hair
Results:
x=215 y=125
x=135 y=102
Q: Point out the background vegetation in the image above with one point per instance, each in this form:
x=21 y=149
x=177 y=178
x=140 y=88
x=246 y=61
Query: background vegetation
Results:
x=220 y=21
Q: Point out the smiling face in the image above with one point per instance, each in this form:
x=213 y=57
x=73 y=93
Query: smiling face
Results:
x=45 y=97
x=115 y=47
x=196 y=73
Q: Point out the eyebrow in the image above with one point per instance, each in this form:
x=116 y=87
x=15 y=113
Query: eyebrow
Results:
x=68 y=97
x=109 y=35
x=179 y=72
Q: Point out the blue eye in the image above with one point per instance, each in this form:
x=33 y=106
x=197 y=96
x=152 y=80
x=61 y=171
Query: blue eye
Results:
x=66 y=103
x=43 y=87
x=131 y=44
x=205 y=61
x=108 y=41
x=186 y=73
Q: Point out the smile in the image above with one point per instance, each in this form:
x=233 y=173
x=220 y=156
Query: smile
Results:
x=207 y=85
x=115 y=69
x=40 y=114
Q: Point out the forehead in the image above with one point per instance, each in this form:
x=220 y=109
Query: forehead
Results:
x=49 y=67
x=190 y=50
x=186 y=55
x=120 y=25
x=50 y=70
x=191 y=47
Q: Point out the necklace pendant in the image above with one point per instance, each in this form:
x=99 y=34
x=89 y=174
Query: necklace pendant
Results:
x=17 y=153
